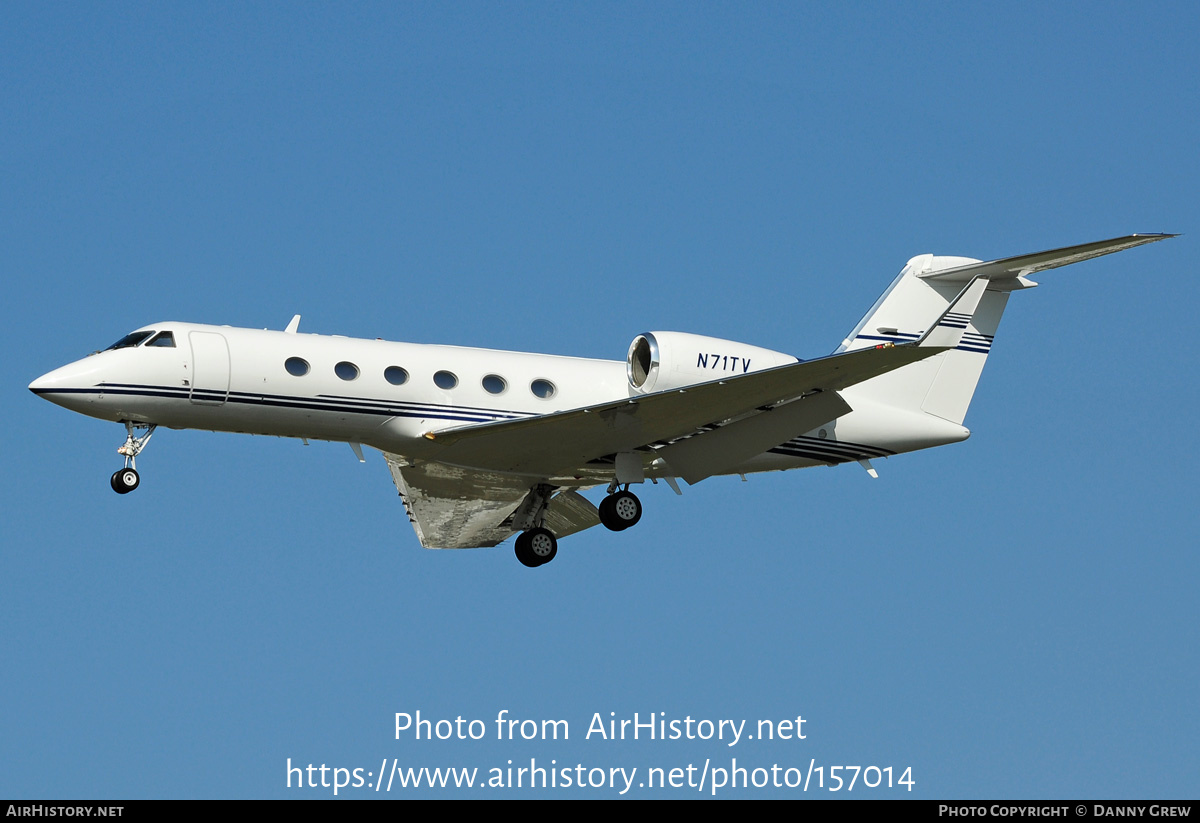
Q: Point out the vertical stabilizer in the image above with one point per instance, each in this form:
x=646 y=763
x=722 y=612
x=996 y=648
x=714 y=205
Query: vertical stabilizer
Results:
x=914 y=308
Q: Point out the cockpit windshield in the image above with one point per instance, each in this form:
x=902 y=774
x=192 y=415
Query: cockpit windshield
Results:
x=130 y=340
x=164 y=339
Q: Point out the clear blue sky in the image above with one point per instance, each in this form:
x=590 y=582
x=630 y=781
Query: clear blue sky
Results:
x=1013 y=616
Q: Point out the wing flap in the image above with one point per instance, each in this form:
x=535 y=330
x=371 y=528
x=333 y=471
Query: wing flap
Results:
x=455 y=508
x=570 y=512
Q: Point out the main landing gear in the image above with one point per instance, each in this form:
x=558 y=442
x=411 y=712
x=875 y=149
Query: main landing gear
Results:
x=536 y=547
x=126 y=480
x=620 y=510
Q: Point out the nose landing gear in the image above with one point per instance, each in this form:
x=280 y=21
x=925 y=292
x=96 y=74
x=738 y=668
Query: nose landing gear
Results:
x=127 y=479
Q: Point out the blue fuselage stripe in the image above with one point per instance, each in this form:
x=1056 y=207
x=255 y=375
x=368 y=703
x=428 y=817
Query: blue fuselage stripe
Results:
x=382 y=408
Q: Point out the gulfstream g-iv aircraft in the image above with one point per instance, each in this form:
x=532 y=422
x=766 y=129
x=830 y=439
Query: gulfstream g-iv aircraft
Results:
x=486 y=444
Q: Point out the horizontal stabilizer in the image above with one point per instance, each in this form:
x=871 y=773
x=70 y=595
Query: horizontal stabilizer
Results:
x=1011 y=268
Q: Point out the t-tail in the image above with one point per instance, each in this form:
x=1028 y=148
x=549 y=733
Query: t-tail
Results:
x=930 y=287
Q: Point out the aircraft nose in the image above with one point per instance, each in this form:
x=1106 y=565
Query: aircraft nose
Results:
x=61 y=378
x=44 y=383
x=67 y=385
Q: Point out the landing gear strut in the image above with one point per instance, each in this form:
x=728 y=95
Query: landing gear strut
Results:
x=620 y=510
x=126 y=480
x=536 y=545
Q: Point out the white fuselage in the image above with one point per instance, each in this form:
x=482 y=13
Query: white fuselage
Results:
x=220 y=378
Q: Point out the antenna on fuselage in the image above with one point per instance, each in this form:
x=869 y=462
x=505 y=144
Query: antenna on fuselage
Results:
x=292 y=326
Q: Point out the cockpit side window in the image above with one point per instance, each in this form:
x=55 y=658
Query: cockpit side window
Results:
x=130 y=340
x=164 y=339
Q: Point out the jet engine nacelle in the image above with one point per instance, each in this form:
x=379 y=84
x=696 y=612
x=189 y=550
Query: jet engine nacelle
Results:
x=664 y=360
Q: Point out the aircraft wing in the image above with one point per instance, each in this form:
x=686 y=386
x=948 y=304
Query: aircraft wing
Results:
x=1013 y=267
x=456 y=508
x=558 y=444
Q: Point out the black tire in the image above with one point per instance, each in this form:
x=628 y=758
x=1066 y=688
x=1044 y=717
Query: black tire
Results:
x=608 y=517
x=124 y=481
x=620 y=510
x=524 y=552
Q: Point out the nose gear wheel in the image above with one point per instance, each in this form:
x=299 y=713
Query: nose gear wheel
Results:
x=125 y=480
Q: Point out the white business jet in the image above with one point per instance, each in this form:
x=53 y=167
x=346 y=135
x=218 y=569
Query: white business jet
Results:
x=485 y=444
